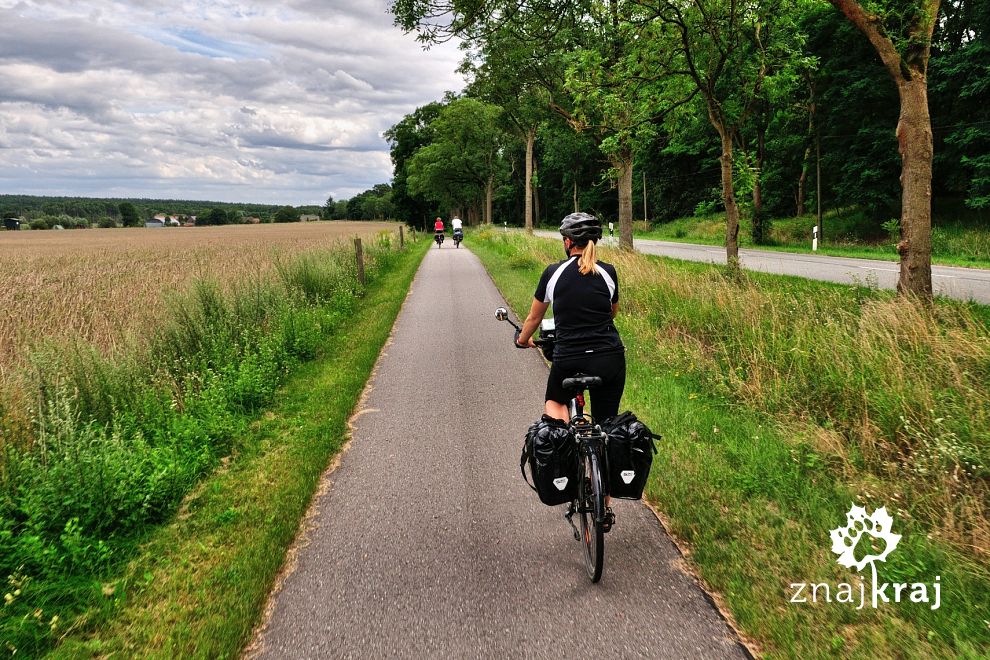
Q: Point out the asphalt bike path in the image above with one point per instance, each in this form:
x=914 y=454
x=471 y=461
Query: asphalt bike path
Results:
x=425 y=542
x=951 y=281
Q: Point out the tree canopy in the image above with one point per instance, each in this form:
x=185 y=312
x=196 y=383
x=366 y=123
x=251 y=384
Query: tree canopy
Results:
x=745 y=108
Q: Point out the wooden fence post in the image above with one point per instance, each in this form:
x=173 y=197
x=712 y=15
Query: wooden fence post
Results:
x=402 y=237
x=359 y=255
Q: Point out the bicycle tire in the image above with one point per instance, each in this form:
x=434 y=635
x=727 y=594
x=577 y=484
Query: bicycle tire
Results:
x=592 y=509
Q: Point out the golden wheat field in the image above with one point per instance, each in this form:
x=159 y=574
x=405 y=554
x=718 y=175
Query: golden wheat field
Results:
x=105 y=285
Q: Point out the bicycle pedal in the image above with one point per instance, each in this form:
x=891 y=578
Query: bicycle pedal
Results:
x=608 y=520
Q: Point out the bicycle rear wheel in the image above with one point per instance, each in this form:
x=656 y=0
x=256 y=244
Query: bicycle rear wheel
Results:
x=591 y=506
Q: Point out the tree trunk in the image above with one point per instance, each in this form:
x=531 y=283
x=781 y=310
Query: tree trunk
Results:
x=623 y=163
x=802 y=191
x=759 y=231
x=530 y=141
x=536 y=192
x=729 y=199
x=646 y=217
x=914 y=138
x=800 y=198
x=909 y=70
x=576 y=208
x=489 y=191
x=818 y=183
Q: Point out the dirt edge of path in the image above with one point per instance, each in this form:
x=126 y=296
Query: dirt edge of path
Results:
x=686 y=565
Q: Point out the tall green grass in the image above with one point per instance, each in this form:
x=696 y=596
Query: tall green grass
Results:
x=114 y=446
x=782 y=401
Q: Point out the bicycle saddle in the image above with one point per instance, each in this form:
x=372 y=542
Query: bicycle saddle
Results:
x=580 y=383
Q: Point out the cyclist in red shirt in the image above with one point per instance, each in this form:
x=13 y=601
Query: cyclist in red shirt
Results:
x=438 y=235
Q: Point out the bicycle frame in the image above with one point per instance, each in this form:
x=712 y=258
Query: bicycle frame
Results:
x=590 y=440
x=589 y=504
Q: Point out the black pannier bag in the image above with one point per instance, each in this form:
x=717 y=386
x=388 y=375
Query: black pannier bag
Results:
x=629 y=453
x=551 y=453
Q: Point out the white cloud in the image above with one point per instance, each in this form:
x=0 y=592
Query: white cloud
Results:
x=280 y=101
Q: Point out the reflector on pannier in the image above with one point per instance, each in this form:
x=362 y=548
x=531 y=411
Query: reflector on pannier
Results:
x=551 y=453
x=629 y=453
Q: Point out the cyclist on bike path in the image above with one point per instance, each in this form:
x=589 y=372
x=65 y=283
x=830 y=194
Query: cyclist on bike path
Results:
x=584 y=293
x=438 y=226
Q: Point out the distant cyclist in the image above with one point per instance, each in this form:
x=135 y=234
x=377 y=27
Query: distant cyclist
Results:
x=438 y=231
x=457 y=225
x=584 y=293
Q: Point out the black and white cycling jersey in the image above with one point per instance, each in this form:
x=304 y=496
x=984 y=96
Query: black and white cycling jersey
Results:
x=582 y=307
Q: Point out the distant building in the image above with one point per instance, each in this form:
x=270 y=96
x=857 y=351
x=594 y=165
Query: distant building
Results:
x=12 y=224
x=308 y=218
x=155 y=223
x=252 y=220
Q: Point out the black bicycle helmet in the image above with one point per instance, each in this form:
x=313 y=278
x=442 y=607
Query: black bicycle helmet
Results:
x=581 y=228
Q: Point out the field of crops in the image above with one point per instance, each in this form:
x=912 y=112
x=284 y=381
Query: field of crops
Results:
x=107 y=286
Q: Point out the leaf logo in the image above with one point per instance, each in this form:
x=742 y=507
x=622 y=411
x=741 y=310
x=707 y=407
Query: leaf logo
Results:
x=877 y=526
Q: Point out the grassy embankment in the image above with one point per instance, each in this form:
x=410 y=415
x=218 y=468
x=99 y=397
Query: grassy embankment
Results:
x=101 y=556
x=847 y=234
x=782 y=402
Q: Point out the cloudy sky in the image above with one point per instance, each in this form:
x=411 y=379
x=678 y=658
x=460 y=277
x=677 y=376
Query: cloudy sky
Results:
x=275 y=101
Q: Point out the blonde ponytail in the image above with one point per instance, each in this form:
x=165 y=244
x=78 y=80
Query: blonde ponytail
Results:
x=586 y=264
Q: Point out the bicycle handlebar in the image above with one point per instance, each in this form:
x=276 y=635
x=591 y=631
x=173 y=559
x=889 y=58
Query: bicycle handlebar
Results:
x=536 y=342
x=503 y=315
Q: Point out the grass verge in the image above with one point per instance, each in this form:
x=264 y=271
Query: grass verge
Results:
x=196 y=585
x=753 y=480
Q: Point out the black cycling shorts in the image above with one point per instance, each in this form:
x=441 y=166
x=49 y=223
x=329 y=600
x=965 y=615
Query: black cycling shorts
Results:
x=610 y=367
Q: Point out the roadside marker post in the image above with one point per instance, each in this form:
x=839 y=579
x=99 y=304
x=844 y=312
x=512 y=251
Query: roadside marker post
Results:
x=359 y=258
x=814 y=239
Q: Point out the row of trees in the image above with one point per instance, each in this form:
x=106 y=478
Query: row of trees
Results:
x=781 y=105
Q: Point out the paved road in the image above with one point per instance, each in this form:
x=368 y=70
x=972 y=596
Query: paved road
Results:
x=959 y=283
x=428 y=544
